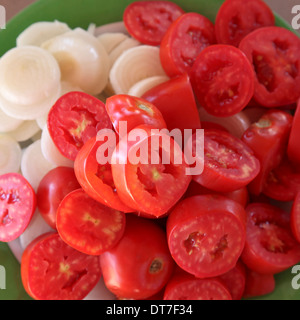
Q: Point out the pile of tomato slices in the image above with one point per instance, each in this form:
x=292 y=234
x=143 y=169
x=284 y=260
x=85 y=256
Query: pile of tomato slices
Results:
x=135 y=210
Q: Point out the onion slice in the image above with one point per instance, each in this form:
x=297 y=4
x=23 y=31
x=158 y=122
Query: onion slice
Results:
x=139 y=88
x=10 y=154
x=118 y=26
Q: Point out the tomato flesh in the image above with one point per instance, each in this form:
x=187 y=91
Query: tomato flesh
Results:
x=87 y=225
x=148 y=21
x=293 y=143
x=206 y=234
x=52 y=270
x=74 y=119
x=295 y=217
x=270 y=246
x=17 y=205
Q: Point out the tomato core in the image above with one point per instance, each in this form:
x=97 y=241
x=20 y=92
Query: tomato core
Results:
x=156 y=266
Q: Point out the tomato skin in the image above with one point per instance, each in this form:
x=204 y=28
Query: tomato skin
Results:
x=17 y=205
x=54 y=186
x=176 y=101
x=196 y=32
x=184 y=286
x=96 y=179
x=196 y=243
x=237 y=18
x=134 y=111
x=229 y=164
x=142 y=186
x=74 y=119
x=132 y=272
x=258 y=284
x=52 y=270
x=274 y=54
x=148 y=21
x=223 y=80
x=295 y=217
x=268 y=138
x=293 y=143
x=270 y=246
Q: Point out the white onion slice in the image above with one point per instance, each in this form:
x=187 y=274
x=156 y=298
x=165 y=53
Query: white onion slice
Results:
x=134 y=65
x=34 y=166
x=112 y=27
x=100 y=292
x=25 y=131
x=236 y=124
x=91 y=28
x=29 y=82
x=122 y=47
x=16 y=249
x=10 y=154
x=8 y=123
x=39 y=32
x=82 y=59
x=50 y=151
x=139 y=88
x=111 y=40
x=36 y=227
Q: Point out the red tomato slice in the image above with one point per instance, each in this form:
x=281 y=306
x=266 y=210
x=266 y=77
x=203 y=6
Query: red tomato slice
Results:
x=133 y=111
x=274 y=55
x=295 y=217
x=96 y=178
x=176 y=101
x=206 y=234
x=258 y=284
x=293 y=150
x=74 y=119
x=140 y=265
x=223 y=80
x=17 y=205
x=184 y=286
x=148 y=21
x=183 y=41
x=268 y=138
x=283 y=182
x=235 y=280
x=270 y=246
x=229 y=164
x=149 y=187
x=53 y=187
x=87 y=225
x=52 y=270
x=237 y=18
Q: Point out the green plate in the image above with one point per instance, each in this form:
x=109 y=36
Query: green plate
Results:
x=80 y=13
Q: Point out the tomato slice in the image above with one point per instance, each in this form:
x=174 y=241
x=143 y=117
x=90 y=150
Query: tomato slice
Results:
x=268 y=138
x=17 y=205
x=95 y=177
x=148 y=21
x=223 y=80
x=52 y=270
x=150 y=185
x=235 y=280
x=237 y=18
x=53 y=187
x=295 y=217
x=74 y=119
x=270 y=246
x=133 y=111
x=283 y=182
x=229 y=164
x=293 y=150
x=258 y=284
x=206 y=234
x=87 y=225
x=274 y=55
x=184 y=286
x=193 y=30
x=176 y=101
x=140 y=265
